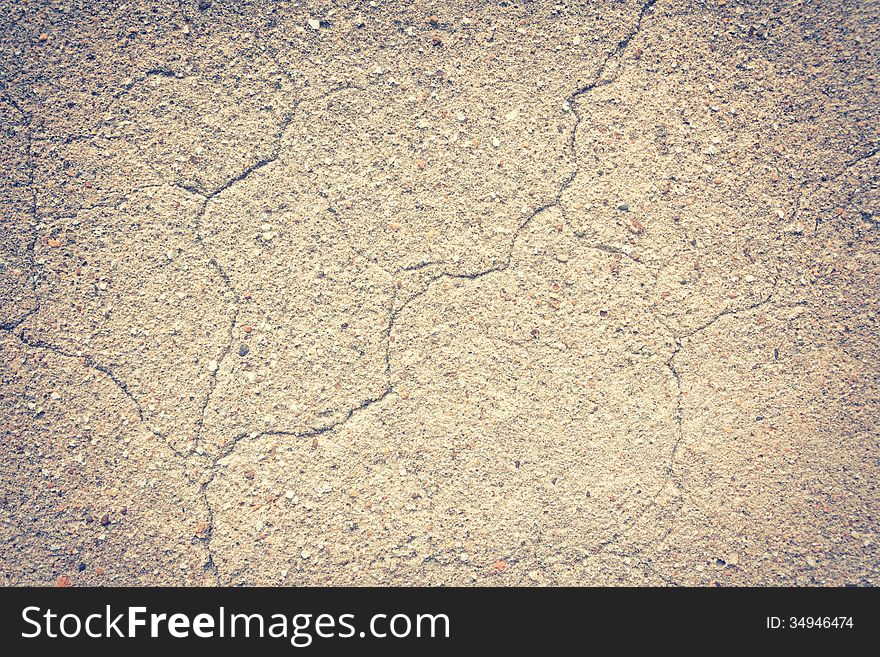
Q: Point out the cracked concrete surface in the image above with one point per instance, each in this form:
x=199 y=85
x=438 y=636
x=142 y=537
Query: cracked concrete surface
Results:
x=439 y=293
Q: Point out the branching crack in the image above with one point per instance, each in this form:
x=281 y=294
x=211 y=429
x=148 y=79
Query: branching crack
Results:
x=566 y=183
x=601 y=78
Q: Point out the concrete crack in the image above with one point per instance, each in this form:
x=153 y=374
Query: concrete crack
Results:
x=91 y=363
x=207 y=198
x=566 y=183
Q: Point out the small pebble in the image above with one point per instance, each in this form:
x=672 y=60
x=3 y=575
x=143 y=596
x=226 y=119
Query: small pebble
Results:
x=243 y=350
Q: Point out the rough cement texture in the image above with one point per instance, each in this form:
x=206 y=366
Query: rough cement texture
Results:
x=443 y=293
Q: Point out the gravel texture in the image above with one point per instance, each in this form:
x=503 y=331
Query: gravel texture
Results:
x=439 y=293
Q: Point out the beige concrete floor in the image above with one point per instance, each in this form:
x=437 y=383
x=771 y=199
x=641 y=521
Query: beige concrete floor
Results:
x=439 y=293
